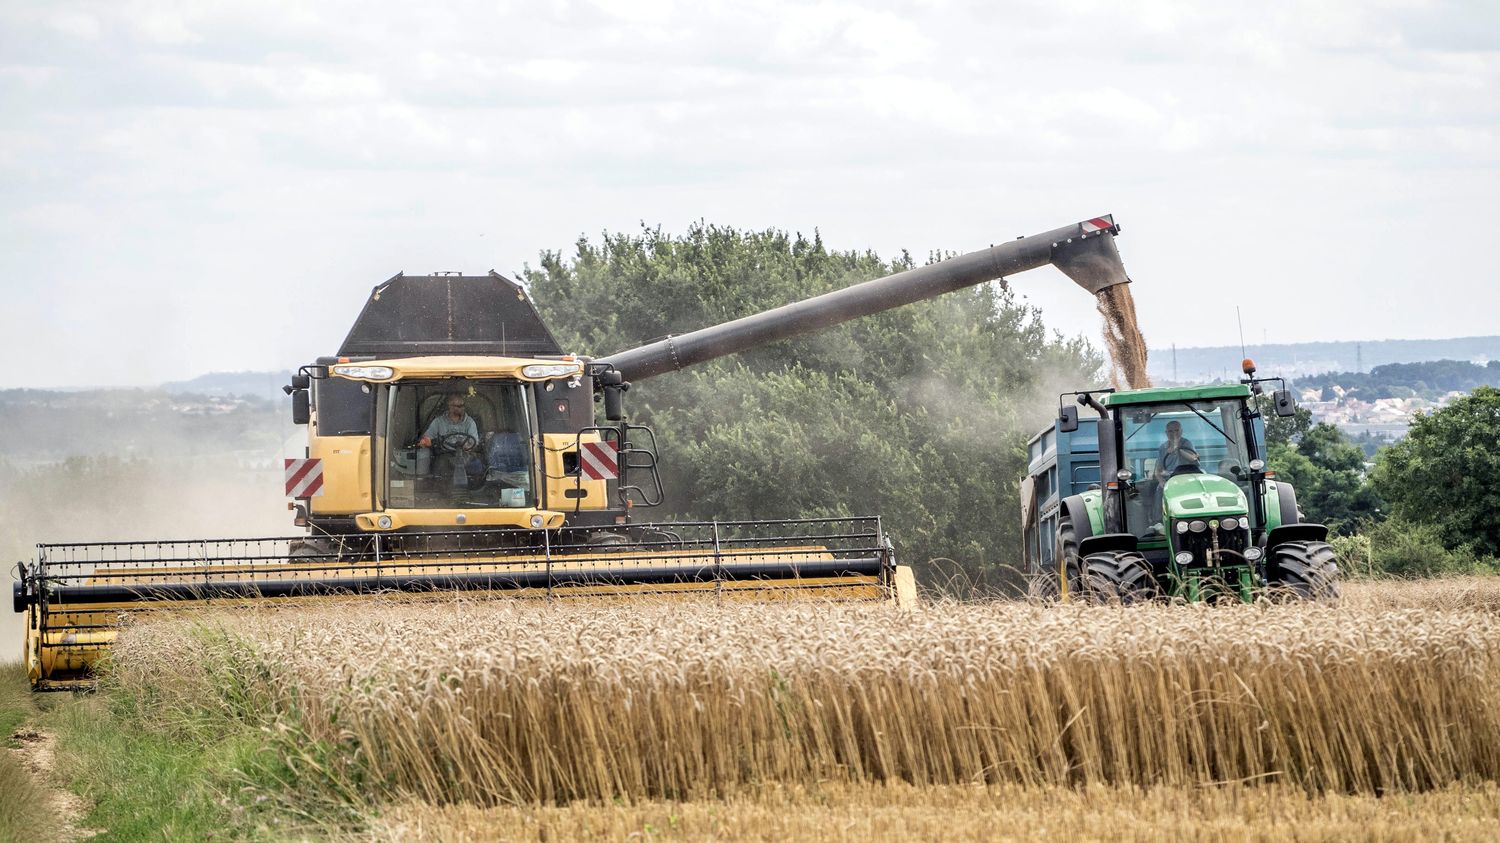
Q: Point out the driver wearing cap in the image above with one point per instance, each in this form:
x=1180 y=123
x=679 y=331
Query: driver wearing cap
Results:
x=453 y=422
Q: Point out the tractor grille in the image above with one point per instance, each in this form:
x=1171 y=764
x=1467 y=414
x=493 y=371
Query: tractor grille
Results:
x=1200 y=543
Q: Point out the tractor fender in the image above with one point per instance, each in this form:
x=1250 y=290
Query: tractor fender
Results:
x=1077 y=511
x=1107 y=542
x=1286 y=499
x=1301 y=532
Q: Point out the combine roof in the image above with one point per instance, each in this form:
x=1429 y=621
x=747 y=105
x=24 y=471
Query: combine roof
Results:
x=423 y=315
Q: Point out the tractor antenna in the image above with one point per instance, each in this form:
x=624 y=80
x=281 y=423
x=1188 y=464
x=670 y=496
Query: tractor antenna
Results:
x=1242 y=329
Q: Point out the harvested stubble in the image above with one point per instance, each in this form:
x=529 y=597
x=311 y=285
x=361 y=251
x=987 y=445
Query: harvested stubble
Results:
x=966 y=812
x=502 y=702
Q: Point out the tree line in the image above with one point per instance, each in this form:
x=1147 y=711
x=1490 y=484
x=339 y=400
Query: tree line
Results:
x=1429 y=504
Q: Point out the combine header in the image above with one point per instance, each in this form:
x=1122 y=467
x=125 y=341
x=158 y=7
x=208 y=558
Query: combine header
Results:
x=452 y=445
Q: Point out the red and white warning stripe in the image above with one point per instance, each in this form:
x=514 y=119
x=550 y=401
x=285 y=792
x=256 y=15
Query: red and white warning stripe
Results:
x=304 y=478
x=1098 y=224
x=599 y=460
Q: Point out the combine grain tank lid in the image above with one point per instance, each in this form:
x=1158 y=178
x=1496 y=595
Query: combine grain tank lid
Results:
x=449 y=314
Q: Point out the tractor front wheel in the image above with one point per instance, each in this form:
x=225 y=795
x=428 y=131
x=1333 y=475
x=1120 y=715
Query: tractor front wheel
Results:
x=1119 y=576
x=1305 y=570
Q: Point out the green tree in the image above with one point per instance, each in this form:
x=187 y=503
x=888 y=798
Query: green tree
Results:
x=1446 y=472
x=1328 y=472
x=918 y=414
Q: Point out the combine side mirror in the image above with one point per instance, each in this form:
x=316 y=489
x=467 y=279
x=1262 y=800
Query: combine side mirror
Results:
x=1067 y=419
x=614 y=386
x=1285 y=406
x=301 y=381
x=301 y=407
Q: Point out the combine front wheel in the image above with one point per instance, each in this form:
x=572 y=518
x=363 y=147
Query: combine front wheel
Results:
x=1305 y=570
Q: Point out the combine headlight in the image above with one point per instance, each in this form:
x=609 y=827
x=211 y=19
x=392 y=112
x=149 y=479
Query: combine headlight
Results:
x=550 y=370
x=1182 y=527
x=1184 y=558
x=1197 y=526
x=1252 y=554
x=383 y=522
x=536 y=521
x=1229 y=524
x=369 y=373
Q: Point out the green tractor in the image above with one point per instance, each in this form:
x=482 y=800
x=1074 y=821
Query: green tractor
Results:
x=1166 y=495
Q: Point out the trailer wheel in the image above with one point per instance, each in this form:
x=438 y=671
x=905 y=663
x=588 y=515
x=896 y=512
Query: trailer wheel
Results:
x=1305 y=570
x=1119 y=576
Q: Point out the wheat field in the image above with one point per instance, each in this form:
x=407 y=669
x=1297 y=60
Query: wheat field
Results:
x=503 y=703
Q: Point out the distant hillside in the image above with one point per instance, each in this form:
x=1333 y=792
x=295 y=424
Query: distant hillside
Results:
x=1187 y=365
x=245 y=384
x=45 y=425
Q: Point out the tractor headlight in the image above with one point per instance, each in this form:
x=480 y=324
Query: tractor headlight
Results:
x=371 y=373
x=1184 y=558
x=1124 y=475
x=1257 y=465
x=1252 y=554
x=1229 y=524
x=1197 y=526
x=549 y=370
x=1182 y=527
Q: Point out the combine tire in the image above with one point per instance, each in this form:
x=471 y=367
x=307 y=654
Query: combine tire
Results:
x=1119 y=576
x=1305 y=570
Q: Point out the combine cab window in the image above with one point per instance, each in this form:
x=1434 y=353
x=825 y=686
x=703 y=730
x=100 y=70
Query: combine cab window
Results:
x=460 y=444
x=345 y=407
x=1162 y=440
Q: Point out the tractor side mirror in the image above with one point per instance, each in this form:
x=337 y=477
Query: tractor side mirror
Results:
x=301 y=407
x=1286 y=407
x=1067 y=419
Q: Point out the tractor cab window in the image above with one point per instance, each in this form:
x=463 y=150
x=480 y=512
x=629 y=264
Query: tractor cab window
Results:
x=459 y=443
x=1160 y=441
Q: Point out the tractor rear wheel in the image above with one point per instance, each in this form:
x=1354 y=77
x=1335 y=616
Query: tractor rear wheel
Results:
x=1305 y=570
x=1119 y=576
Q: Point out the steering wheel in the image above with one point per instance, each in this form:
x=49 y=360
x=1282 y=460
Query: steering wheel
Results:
x=456 y=441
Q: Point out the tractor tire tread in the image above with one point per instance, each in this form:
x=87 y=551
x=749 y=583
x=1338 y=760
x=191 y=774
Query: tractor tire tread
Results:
x=1305 y=570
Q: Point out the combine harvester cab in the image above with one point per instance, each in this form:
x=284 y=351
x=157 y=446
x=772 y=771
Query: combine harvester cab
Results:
x=452 y=445
x=1166 y=495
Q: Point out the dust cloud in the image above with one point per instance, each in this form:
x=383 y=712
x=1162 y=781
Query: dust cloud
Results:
x=109 y=500
x=1122 y=338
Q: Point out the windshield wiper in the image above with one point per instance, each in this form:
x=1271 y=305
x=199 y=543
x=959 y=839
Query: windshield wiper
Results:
x=1210 y=423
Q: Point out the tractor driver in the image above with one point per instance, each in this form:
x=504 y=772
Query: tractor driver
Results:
x=1177 y=451
x=1174 y=453
x=455 y=434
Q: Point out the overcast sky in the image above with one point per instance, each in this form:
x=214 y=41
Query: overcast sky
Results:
x=217 y=185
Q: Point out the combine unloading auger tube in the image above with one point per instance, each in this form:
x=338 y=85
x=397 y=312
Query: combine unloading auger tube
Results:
x=548 y=514
x=1085 y=252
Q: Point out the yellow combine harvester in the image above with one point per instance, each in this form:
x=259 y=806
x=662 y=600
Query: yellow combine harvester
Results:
x=452 y=445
